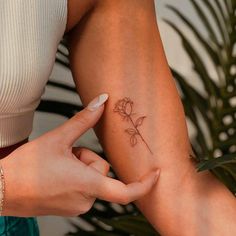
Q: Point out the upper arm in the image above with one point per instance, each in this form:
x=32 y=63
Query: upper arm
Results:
x=75 y=11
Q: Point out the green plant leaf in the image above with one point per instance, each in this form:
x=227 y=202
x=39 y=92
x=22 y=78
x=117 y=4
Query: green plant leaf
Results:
x=211 y=52
x=206 y=23
x=215 y=105
x=198 y=64
x=216 y=162
x=219 y=23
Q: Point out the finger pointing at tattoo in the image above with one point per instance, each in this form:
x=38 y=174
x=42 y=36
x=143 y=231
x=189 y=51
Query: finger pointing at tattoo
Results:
x=73 y=128
x=113 y=190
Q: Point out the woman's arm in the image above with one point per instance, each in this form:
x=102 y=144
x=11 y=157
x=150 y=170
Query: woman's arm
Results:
x=117 y=49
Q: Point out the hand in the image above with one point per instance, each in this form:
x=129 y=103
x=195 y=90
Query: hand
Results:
x=48 y=176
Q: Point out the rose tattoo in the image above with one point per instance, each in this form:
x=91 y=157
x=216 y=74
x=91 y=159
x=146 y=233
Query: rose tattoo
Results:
x=125 y=108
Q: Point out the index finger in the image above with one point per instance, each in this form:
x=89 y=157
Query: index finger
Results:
x=112 y=190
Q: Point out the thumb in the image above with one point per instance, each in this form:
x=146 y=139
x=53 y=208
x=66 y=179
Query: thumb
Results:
x=73 y=128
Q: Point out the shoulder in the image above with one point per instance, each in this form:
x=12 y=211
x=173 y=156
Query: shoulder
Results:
x=75 y=11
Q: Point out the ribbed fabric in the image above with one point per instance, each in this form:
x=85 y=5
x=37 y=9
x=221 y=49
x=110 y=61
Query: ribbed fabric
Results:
x=30 y=33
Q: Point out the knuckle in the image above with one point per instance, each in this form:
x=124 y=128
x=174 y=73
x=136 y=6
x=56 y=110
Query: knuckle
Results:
x=78 y=209
x=82 y=150
x=85 y=208
x=124 y=200
x=106 y=165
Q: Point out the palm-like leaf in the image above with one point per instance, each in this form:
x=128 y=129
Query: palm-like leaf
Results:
x=214 y=105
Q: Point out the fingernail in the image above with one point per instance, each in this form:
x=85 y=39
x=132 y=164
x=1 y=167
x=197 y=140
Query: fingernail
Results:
x=97 y=102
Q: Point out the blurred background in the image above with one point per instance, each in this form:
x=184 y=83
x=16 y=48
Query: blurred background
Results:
x=201 y=52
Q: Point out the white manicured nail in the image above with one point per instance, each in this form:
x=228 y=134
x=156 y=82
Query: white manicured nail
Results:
x=97 y=102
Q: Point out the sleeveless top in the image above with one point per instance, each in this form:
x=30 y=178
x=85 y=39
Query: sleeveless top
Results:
x=30 y=33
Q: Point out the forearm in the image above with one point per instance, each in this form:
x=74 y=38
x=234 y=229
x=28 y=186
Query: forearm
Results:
x=120 y=52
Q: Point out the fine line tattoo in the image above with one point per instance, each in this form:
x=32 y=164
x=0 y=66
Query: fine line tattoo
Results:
x=125 y=107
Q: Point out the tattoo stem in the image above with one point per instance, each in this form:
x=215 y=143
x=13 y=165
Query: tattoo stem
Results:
x=140 y=135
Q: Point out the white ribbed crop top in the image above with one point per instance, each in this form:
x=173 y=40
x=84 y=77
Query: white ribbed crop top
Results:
x=30 y=33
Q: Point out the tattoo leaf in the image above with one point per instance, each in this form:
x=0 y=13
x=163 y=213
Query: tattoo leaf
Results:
x=125 y=109
x=139 y=121
x=131 y=131
x=133 y=140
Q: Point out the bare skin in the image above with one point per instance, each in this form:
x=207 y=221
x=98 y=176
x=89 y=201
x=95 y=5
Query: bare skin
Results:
x=48 y=176
x=121 y=53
